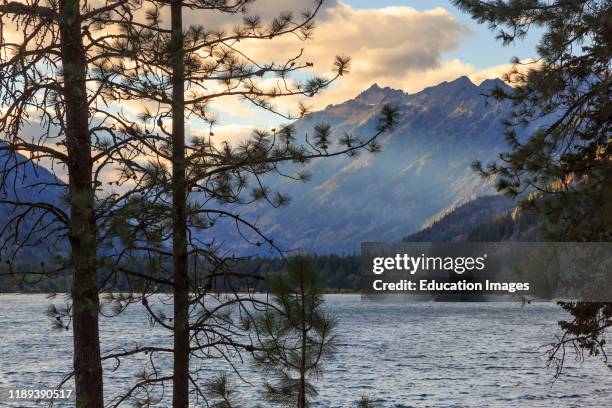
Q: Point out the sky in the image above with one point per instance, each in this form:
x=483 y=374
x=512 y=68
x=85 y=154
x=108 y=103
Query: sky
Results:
x=403 y=44
x=480 y=48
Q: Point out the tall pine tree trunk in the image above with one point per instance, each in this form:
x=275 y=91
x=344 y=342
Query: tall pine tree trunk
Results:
x=85 y=301
x=302 y=390
x=180 y=397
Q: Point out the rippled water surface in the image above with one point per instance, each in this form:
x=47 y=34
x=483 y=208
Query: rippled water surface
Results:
x=400 y=354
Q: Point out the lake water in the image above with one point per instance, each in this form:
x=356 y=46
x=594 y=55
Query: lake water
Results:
x=400 y=354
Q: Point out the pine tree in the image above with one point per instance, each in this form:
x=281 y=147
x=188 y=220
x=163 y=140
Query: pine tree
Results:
x=566 y=164
x=365 y=402
x=187 y=188
x=49 y=102
x=297 y=334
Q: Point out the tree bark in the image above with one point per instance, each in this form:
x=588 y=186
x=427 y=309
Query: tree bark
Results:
x=180 y=393
x=302 y=390
x=82 y=235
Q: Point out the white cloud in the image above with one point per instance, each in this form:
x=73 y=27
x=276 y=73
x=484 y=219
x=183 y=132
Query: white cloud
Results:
x=396 y=46
x=387 y=45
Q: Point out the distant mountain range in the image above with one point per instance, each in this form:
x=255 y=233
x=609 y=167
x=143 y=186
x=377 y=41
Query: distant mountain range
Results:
x=422 y=173
x=32 y=183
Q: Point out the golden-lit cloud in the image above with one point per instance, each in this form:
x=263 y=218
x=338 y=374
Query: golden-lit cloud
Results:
x=398 y=46
x=232 y=134
x=386 y=45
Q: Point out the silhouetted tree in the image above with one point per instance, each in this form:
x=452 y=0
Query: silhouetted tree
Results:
x=297 y=334
x=186 y=190
x=365 y=402
x=565 y=165
x=50 y=114
x=565 y=162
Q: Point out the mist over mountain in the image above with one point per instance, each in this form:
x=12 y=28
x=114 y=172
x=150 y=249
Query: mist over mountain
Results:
x=422 y=173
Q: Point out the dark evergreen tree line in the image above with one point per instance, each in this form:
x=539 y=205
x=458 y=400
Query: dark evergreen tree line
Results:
x=340 y=272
